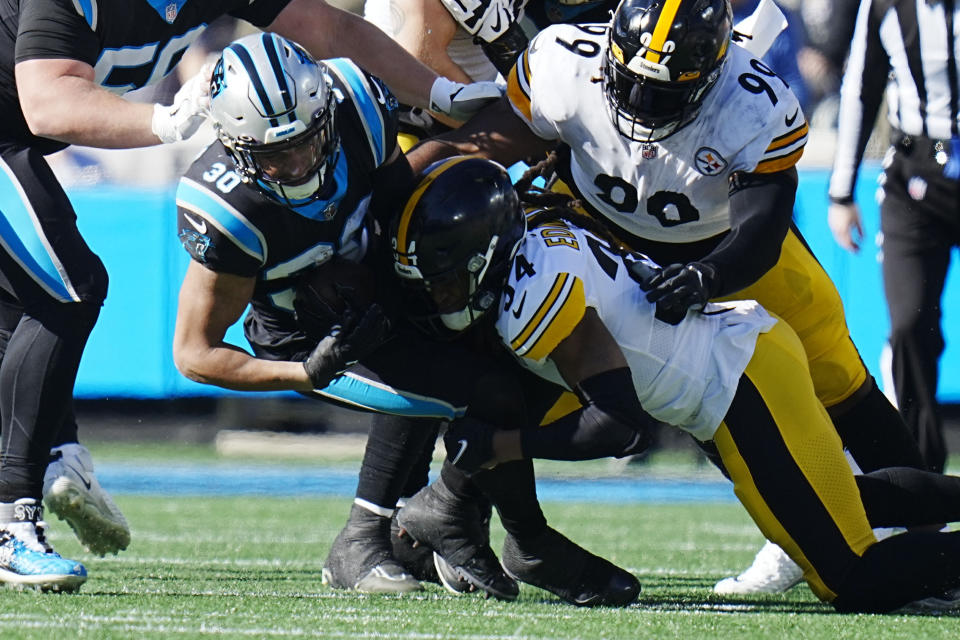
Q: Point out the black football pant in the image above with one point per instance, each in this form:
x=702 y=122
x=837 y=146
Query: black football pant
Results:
x=920 y=220
x=51 y=276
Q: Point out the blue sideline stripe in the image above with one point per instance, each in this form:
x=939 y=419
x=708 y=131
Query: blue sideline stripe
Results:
x=204 y=480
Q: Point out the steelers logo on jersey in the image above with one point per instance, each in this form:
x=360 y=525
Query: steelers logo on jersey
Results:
x=709 y=161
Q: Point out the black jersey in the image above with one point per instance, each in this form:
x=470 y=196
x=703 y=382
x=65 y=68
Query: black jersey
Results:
x=129 y=43
x=233 y=226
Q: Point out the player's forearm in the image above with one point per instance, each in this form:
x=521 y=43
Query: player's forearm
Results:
x=230 y=367
x=72 y=109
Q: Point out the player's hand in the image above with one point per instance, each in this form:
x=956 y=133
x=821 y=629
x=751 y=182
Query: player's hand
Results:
x=469 y=445
x=460 y=101
x=680 y=287
x=846 y=225
x=190 y=106
x=348 y=342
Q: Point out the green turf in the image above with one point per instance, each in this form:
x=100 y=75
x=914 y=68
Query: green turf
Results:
x=250 y=568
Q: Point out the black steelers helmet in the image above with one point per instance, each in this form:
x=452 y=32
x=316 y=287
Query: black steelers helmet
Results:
x=454 y=241
x=662 y=58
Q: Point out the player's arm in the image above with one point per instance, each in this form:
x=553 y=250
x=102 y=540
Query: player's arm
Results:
x=61 y=101
x=496 y=132
x=761 y=208
x=210 y=302
x=425 y=28
x=329 y=32
x=610 y=422
x=393 y=182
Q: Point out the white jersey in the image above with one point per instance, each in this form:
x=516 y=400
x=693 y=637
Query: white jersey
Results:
x=684 y=374
x=674 y=190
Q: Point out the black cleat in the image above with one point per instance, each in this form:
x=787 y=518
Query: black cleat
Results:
x=554 y=563
x=416 y=559
x=360 y=558
x=455 y=529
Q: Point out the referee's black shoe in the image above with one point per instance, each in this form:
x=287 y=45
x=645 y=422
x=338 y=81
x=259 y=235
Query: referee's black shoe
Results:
x=454 y=529
x=553 y=562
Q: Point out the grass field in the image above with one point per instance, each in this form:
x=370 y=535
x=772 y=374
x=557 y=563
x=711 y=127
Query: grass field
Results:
x=249 y=567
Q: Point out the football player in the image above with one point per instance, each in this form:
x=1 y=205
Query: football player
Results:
x=306 y=169
x=65 y=69
x=684 y=145
x=572 y=307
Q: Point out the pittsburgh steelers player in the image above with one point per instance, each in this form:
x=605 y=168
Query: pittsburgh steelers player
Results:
x=65 y=69
x=684 y=145
x=572 y=307
x=305 y=171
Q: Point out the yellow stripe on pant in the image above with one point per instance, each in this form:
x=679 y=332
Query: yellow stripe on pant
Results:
x=788 y=468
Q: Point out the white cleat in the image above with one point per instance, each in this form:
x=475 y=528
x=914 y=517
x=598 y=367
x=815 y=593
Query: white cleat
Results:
x=772 y=571
x=71 y=491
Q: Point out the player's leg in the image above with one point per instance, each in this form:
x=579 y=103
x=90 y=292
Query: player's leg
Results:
x=916 y=255
x=789 y=471
x=45 y=266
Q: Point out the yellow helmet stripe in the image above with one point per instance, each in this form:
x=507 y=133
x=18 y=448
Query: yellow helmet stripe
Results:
x=404 y=226
x=662 y=29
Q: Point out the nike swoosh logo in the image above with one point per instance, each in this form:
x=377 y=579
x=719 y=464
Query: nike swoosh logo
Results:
x=85 y=482
x=496 y=26
x=519 y=310
x=201 y=226
x=789 y=120
x=463 y=448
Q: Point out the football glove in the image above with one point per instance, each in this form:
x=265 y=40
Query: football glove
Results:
x=680 y=287
x=460 y=101
x=469 y=444
x=190 y=106
x=348 y=342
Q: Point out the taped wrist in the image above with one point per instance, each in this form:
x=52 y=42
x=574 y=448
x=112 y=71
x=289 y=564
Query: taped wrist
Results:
x=610 y=423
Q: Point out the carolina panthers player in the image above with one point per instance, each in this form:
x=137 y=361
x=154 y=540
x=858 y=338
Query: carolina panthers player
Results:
x=570 y=304
x=685 y=145
x=63 y=70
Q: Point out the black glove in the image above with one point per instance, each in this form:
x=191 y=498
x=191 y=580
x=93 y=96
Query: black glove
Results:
x=348 y=342
x=680 y=287
x=469 y=444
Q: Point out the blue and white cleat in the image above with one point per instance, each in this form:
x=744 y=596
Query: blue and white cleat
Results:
x=26 y=560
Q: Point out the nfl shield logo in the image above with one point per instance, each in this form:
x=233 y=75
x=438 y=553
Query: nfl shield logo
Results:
x=648 y=151
x=171 y=13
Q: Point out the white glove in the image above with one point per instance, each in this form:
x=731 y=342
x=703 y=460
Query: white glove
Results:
x=190 y=106
x=460 y=101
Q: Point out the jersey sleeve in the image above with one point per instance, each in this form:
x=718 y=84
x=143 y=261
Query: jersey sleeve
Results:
x=523 y=82
x=781 y=127
x=215 y=233
x=485 y=19
x=545 y=310
x=55 y=29
x=376 y=107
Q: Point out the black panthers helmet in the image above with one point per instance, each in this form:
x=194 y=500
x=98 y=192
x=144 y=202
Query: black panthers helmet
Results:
x=454 y=241
x=662 y=59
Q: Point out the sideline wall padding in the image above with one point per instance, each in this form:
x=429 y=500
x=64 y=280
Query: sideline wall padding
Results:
x=134 y=233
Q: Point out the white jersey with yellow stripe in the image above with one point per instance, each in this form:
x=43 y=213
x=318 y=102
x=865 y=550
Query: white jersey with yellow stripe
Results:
x=673 y=190
x=684 y=374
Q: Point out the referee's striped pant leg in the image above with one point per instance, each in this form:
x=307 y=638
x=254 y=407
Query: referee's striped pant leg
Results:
x=788 y=468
